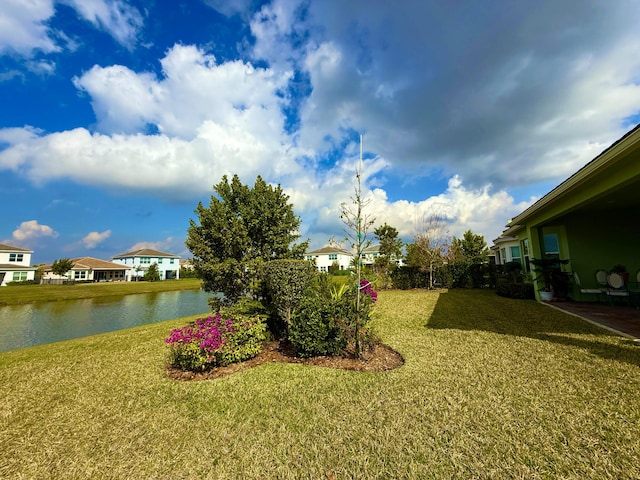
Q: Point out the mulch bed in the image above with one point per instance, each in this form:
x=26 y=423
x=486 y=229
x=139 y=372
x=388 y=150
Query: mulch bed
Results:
x=380 y=359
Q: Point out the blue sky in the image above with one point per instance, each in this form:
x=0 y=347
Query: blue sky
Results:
x=117 y=117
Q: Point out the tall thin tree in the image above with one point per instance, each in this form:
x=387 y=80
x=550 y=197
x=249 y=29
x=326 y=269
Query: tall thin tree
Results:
x=358 y=225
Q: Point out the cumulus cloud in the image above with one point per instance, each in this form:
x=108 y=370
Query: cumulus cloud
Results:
x=194 y=89
x=32 y=230
x=23 y=27
x=507 y=89
x=92 y=239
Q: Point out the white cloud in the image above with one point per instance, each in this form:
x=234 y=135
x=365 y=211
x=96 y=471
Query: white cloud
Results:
x=167 y=167
x=119 y=19
x=229 y=7
x=505 y=92
x=165 y=245
x=23 y=27
x=92 y=239
x=194 y=89
x=31 y=230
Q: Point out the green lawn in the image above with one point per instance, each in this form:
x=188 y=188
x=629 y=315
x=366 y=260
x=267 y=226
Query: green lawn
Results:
x=20 y=294
x=491 y=388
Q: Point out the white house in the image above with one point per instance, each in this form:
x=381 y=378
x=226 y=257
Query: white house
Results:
x=15 y=264
x=90 y=269
x=141 y=260
x=326 y=256
x=510 y=249
x=372 y=252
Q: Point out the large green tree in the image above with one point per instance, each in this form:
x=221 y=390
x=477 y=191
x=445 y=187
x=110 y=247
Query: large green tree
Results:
x=61 y=266
x=242 y=228
x=467 y=259
x=390 y=250
x=471 y=247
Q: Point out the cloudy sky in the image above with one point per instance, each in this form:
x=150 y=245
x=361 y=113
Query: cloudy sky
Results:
x=118 y=116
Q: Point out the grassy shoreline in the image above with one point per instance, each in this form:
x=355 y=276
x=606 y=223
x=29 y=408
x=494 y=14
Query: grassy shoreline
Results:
x=491 y=388
x=22 y=294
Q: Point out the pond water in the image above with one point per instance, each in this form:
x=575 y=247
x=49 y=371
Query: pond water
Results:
x=39 y=323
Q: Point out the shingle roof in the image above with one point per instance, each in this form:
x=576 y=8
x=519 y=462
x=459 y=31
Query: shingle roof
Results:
x=97 y=264
x=146 y=252
x=13 y=266
x=93 y=264
x=328 y=249
x=5 y=247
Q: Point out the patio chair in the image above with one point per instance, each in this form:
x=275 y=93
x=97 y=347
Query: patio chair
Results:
x=634 y=286
x=587 y=291
x=601 y=278
x=617 y=288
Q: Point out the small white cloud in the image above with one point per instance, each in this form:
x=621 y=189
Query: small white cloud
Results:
x=162 y=245
x=31 y=230
x=92 y=239
x=120 y=20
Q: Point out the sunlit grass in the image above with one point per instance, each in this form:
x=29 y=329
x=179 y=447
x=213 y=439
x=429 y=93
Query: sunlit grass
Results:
x=491 y=388
x=15 y=295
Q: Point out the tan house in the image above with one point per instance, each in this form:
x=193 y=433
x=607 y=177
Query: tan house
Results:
x=89 y=269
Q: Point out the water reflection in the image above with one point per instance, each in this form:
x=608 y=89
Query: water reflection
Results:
x=35 y=324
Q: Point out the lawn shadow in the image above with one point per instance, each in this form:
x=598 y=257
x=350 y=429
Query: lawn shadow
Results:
x=483 y=310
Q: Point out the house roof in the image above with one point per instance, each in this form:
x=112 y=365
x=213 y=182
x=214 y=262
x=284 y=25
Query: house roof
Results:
x=97 y=264
x=328 y=249
x=604 y=160
x=146 y=252
x=91 y=263
x=9 y=248
x=372 y=249
x=13 y=266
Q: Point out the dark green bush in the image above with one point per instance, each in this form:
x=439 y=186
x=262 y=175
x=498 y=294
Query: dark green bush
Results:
x=285 y=282
x=505 y=287
x=23 y=282
x=407 y=278
x=316 y=329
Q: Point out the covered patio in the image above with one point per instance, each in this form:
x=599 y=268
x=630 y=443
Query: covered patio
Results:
x=620 y=319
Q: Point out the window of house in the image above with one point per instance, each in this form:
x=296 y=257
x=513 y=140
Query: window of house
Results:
x=145 y=260
x=159 y=261
x=503 y=256
x=80 y=275
x=333 y=256
x=551 y=245
x=171 y=261
x=15 y=257
x=19 y=276
x=515 y=254
x=525 y=252
x=323 y=269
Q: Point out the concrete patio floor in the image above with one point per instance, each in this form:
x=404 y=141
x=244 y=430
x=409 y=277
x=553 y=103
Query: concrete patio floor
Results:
x=621 y=319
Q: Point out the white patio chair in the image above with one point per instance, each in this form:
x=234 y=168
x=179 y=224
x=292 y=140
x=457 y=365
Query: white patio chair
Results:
x=587 y=291
x=617 y=288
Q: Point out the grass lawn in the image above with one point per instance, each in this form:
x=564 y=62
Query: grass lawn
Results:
x=491 y=388
x=20 y=294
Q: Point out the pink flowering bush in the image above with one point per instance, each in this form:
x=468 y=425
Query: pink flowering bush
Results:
x=215 y=342
x=367 y=289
